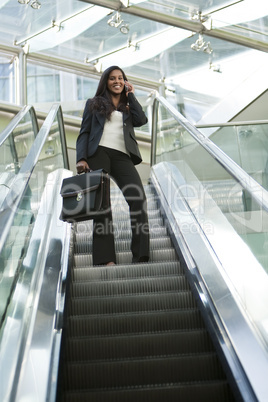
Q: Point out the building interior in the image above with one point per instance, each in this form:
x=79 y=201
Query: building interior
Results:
x=192 y=323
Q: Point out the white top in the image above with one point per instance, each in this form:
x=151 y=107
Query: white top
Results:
x=113 y=134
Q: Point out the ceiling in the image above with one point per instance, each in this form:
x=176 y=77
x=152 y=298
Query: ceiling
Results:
x=158 y=46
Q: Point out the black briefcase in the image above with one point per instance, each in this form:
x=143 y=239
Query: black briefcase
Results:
x=85 y=196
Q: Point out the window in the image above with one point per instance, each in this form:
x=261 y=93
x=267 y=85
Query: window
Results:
x=7 y=79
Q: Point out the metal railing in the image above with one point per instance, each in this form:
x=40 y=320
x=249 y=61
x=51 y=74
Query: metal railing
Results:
x=16 y=120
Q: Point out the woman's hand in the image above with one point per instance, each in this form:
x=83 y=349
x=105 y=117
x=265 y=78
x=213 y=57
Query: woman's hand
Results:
x=129 y=88
x=82 y=166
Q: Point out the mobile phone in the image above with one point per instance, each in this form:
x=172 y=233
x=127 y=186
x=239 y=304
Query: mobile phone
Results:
x=126 y=87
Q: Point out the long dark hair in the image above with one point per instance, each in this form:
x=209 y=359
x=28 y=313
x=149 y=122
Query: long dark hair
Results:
x=102 y=101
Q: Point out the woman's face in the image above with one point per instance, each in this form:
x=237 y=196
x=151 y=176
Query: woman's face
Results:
x=115 y=83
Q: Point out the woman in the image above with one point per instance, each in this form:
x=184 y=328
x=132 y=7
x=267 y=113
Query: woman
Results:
x=107 y=141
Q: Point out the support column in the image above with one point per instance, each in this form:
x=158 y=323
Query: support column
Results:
x=21 y=78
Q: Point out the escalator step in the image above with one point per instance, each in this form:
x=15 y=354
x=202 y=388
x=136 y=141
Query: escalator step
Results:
x=134 y=332
x=86 y=226
x=86 y=236
x=83 y=260
x=136 y=323
x=122 y=214
x=209 y=391
x=120 y=206
x=124 y=245
x=141 y=372
x=155 y=255
x=133 y=303
x=138 y=346
x=127 y=271
x=129 y=286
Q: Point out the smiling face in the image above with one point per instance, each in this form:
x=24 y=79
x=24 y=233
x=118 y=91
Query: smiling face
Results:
x=115 y=83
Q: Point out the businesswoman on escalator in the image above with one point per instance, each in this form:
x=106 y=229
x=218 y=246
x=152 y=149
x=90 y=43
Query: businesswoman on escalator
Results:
x=107 y=141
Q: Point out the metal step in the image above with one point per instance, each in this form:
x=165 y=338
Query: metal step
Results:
x=123 y=245
x=134 y=323
x=207 y=391
x=141 y=372
x=133 y=331
x=138 y=346
x=124 y=287
x=124 y=224
x=85 y=235
x=125 y=257
x=140 y=303
x=145 y=270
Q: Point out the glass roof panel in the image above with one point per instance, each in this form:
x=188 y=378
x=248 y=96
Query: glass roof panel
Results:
x=151 y=48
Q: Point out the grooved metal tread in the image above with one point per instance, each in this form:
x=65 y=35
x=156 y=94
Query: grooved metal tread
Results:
x=206 y=391
x=120 y=224
x=85 y=233
x=134 y=372
x=124 y=245
x=133 y=331
x=134 y=323
x=125 y=257
x=126 y=286
x=138 y=346
x=127 y=271
x=133 y=303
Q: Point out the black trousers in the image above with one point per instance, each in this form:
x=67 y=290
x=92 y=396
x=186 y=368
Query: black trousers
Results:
x=122 y=170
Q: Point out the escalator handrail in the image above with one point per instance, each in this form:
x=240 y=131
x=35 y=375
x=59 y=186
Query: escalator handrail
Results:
x=16 y=120
x=233 y=124
x=19 y=185
x=247 y=182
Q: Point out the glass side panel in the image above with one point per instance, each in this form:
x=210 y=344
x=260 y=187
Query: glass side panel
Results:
x=229 y=216
x=14 y=150
x=17 y=146
x=15 y=248
x=246 y=145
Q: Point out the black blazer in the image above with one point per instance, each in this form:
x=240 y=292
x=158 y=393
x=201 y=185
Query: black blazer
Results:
x=92 y=129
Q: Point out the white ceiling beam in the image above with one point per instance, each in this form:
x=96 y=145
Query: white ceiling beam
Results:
x=175 y=21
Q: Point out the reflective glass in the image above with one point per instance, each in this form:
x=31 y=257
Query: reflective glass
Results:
x=159 y=50
x=46 y=85
x=43 y=85
x=7 y=79
x=17 y=145
x=234 y=223
x=247 y=145
x=15 y=248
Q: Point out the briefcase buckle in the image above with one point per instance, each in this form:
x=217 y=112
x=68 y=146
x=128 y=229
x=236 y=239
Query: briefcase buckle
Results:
x=79 y=196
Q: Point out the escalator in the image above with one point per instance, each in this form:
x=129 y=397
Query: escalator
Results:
x=176 y=328
x=28 y=208
x=134 y=331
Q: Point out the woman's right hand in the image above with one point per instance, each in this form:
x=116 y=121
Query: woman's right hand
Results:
x=82 y=166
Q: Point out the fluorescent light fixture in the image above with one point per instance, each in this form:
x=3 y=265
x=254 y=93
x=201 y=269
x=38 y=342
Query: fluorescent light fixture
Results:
x=124 y=28
x=116 y=21
x=36 y=5
x=200 y=44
